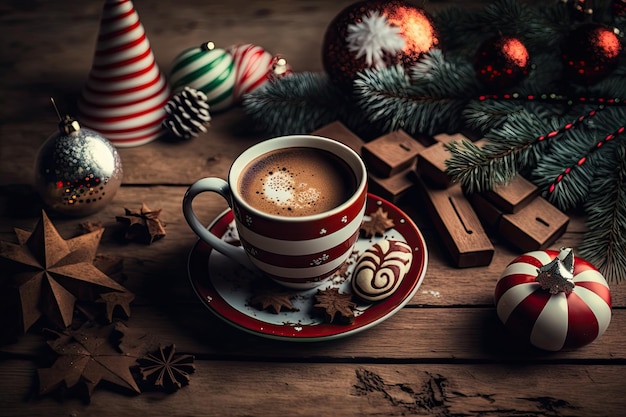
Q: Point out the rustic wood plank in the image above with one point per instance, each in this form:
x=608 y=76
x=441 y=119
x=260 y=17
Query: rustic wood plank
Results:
x=159 y=162
x=346 y=390
x=165 y=260
x=444 y=354
x=461 y=335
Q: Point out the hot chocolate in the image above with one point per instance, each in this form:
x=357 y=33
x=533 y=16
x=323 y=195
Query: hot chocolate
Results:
x=296 y=182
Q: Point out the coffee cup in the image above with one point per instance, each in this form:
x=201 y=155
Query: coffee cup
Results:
x=298 y=203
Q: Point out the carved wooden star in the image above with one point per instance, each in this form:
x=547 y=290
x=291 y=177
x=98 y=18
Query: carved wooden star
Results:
x=272 y=300
x=143 y=226
x=378 y=223
x=86 y=357
x=116 y=299
x=165 y=369
x=52 y=273
x=335 y=306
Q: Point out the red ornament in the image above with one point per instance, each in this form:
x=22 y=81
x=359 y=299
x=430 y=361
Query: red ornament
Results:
x=501 y=62
x=376 y=34
x=553 y=300
x=589 y=53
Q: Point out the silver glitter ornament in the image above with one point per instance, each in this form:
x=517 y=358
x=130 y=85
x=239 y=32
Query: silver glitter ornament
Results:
x=77 y=170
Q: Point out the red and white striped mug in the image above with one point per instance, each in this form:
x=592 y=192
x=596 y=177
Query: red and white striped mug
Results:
x=298 y=203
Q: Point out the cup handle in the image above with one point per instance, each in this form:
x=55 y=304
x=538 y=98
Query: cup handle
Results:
x=221 y=187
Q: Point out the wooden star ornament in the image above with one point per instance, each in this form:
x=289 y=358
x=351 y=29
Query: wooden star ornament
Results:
x=165 y=369
x=51 y=273
x=336 y=307
x=271 y=297
x=144 y=225
x=377 y=224
x=87 y=356
x=114 y=299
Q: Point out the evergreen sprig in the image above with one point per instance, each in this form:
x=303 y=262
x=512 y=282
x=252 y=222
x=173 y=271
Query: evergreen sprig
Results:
x=428 y=100
x=604 y=244
x=298 y=103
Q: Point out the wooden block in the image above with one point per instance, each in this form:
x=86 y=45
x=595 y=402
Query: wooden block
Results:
x=535 y=227
x=512 y=197
x=488 y=214
x=341 y=133
x=445 y=138
x=395 y=187
x=431 y=165
x=425 y=140
x=391 y=153
x=458 y=226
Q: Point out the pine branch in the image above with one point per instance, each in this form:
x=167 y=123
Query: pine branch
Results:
x=484 y=116
x=512 y=146
x=297 y=103
x=604 y=244
x=480 y=169
x=561 y=158
x=429 y=102
x=569 y=167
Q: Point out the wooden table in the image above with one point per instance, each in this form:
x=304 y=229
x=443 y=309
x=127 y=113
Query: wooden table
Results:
x=444 y=354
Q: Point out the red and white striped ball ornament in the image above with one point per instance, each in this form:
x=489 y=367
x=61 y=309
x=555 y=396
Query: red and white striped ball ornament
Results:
x=553 y=300
x=253 y=65
x=125 y=92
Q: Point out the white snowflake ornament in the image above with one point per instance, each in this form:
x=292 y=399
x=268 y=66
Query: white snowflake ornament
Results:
x=375 y=34
x=373 y=37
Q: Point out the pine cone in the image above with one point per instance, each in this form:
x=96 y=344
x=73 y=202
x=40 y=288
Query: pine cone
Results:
x=188 y=113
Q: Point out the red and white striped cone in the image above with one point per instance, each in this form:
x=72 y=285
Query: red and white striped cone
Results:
x=125 y=93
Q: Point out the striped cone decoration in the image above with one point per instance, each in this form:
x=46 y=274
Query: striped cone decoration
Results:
x=552 y=300
x=208 y=69
x=125 y=92
x=253 y=66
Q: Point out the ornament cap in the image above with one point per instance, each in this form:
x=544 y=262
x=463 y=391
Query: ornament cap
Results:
x=280 y=66
x=208 y=46
x=558 y=275
x=68 y=125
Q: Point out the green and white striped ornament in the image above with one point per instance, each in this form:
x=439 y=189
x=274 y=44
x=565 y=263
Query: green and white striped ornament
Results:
x=208 y=69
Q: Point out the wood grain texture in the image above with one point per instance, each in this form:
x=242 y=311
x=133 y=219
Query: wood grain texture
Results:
x=229 y=388
x=444 y=354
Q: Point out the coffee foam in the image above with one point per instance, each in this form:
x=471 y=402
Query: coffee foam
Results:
x=296 y=182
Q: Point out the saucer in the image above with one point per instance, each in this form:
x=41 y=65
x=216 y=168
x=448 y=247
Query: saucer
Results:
x=224 y=287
